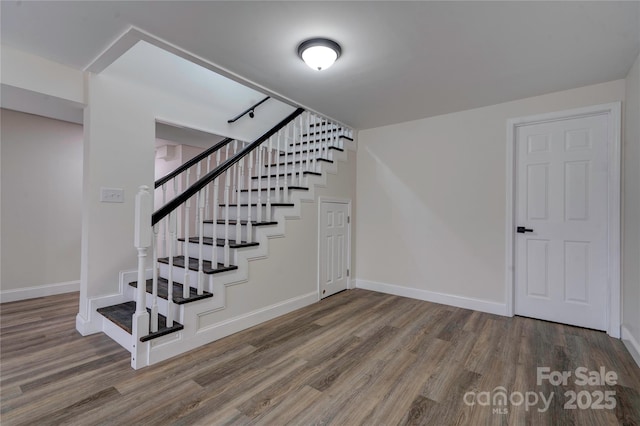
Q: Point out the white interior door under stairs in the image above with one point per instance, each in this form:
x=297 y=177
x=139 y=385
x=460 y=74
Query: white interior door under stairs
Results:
x=334 y=247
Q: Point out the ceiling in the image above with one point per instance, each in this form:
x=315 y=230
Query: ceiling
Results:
x=401 y=60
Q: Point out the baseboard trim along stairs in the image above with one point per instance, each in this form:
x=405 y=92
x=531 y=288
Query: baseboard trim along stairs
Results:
x=201 y=242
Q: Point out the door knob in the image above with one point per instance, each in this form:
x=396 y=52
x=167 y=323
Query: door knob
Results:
x=522 y=229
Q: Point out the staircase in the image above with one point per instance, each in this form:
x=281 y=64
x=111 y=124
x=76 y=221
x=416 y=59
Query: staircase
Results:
x=200 y=241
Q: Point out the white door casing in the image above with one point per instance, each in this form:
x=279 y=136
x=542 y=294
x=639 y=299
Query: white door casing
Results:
x=563 y=175
x=334 y=246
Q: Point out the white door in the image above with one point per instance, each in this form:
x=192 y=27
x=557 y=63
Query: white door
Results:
x=334 y=247
x=561 y=249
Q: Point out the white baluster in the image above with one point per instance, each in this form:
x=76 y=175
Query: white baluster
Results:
x=173 y=237
x=300 y=174
x=308 y=155
x=234 y=184
x=311 y=144
x=249 y=191
x=214 y=225
x=200 y=199
x=317 y=143
x=285 y=179
x=277 y=187
x=328 y=132
x=208 y=191
x=268 y=207
x=197 y=218
x=154 y=285
x=260 y=167
x=165 y=249
x=185 y=249
x=226 y=218
x=239 y=178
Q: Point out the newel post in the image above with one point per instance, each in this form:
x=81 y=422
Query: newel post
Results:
x=142 y=242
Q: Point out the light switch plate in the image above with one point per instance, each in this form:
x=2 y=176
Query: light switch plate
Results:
x=112 y=195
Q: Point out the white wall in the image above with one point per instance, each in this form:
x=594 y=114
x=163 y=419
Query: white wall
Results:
x=631 y=213
x=41 y=205
x=431 y=200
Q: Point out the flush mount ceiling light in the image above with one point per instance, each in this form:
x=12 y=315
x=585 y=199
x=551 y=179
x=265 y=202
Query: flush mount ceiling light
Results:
x=319 y=53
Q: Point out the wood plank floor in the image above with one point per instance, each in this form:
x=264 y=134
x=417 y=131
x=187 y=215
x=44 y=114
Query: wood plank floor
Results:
x=358 y=357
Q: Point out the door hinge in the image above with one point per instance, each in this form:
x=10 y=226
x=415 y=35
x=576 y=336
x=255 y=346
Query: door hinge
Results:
x=348 y=219
x=347 y=272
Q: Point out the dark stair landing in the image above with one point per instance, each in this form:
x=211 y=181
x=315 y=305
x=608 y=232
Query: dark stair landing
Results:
x=122 y=316
x=163 y=291
x=193 y=265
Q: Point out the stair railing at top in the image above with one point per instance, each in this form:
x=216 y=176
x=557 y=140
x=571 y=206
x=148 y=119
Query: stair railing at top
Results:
x=198 y=227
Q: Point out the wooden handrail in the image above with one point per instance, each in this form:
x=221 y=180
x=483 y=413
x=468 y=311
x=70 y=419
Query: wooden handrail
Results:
x=224 y=166
x=192 y=162
x=249 y=111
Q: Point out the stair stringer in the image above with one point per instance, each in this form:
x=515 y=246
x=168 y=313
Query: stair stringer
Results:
x=202 y=320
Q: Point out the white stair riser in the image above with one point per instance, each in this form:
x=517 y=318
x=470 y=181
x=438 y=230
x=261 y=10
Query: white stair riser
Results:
x=193 y=250
x=208 y=231
x=298 y=155
x=317 y=140
x=291 y=168
x=277 y=196
x=244 y=212
x=291 y=181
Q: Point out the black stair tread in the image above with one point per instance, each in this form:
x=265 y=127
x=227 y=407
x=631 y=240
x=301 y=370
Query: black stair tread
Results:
x=220 y=242
x=243 y=222
x=122 y=316
x=326 y=160
x=287 y=174
x=163 y=291
x=320 y=140
x=193 y=265
x=322 y=123
x=294 y=187
x=282 y=154
x=319 y=132
x=255 y=205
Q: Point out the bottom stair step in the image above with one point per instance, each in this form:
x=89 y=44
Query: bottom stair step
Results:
x=163 y=291
x=122 y=316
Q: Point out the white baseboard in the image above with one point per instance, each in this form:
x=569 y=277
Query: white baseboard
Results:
x=631 y=344
x=230 y=326
x=435 y=297
x=38 y=291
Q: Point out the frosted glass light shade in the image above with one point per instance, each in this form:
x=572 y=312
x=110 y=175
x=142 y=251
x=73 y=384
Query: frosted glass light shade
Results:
x=319 y=54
